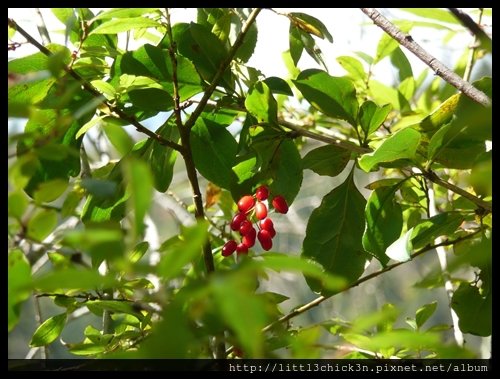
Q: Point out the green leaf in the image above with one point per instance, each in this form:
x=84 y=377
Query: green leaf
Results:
x=353 y=67
x=17 y=204
x=49 y=330
x=214 y=152
x=86 y=127
x=50 y=190
x=205 y=50
x=42 y=224
x=440 y=225
x=183 y=251
x=124 y=24
x=278 y=86
x=481 y=176
x=309 y=268
x=310 y=24
x=296 y=44
x=474 y=310
x=387 y=44
x=384 y=221
x=99 y=187
x=118 y=137
x=434 y=14
x=334 y=96
x=140 y=186
x=124 y=13
x=247 y=48
x=286 y=170
x=101 y=243
x=371 y=116
x=401 y=145
x=424 y=313
x=73 y=279
x=115 y=306
x=261 y=104
x=86 y=349
x=245 y=313
x=18 y=285
x=139 y=250
x=149 y=61
x=334 y=232
x=326 y=160
x=402 y=64
x=401 y=249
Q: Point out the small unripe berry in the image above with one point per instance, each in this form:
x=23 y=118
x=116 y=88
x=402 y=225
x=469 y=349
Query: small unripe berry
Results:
x=262 y=193
x=246 y=203
x=265 y=239
x=260 y=210
x=279 y=203
x=229 y=248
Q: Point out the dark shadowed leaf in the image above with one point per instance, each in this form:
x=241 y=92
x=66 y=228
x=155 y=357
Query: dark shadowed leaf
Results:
x=384 y=220
x=327 y=160
x=334 y=232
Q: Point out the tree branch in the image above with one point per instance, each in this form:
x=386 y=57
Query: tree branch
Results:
x=320 y=299
x=430 y=175
x=321 y=137
x=89 y=88
x=473 y=27
x=439 y=68
x=225 y=64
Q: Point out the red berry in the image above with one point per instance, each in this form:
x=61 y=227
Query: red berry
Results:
x=237 y=221
x=268 y=225
x=229 y=248
x=260 y=210
x=265 y=239
x=279 y=203
x=242 y=249
x=262 y=193
x=246 y=203
x=249 y=239
x=245 y=227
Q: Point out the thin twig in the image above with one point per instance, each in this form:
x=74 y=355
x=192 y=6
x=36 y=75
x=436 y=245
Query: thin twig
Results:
x=322 y=298
x=439 y=68
x=323 y=138
x=430 y=175
x=89 y=88
x=473 y=27
x=472 y=50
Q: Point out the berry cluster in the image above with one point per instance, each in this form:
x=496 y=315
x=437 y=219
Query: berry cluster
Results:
x=254 y=208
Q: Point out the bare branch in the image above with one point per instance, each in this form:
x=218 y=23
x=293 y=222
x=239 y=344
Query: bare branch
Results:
x=320 y=299
x=321 y=137
x=474 y=28
x=439 y=68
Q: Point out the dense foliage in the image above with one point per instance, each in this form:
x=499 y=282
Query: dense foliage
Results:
x=81 y=187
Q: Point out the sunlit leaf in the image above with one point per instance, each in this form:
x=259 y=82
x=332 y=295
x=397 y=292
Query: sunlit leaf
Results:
x=400 y=145
x=49 y=330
